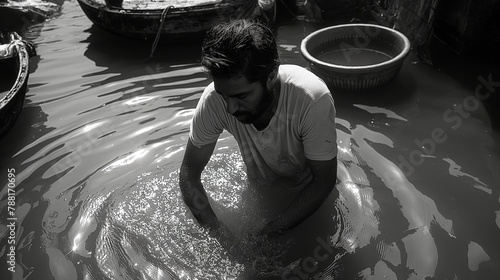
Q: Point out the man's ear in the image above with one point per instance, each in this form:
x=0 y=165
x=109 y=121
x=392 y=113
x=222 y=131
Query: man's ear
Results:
x=271 y=79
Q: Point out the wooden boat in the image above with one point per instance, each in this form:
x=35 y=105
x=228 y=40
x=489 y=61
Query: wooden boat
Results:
x=18 y=15
x=179 y=19
x=14 y=70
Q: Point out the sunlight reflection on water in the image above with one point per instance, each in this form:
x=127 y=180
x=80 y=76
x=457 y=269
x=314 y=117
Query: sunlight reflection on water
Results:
x=150 y=215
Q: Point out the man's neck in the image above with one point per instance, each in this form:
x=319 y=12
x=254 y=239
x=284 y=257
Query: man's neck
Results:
x=266 y=117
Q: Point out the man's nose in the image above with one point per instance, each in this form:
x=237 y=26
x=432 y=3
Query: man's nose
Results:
x=232 y=106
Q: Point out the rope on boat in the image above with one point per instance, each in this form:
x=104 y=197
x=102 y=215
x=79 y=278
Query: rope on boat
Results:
x=162 y=22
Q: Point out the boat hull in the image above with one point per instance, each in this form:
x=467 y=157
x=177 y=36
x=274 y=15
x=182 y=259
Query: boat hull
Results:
x=13 y=87
x=178 y=23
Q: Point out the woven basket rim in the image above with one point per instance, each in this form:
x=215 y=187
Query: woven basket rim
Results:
x=345 y=68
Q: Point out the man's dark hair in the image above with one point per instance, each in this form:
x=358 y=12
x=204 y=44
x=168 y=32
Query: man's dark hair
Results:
x=240 y=47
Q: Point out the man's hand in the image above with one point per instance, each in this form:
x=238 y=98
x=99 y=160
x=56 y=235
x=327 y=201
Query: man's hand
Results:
x=226 y=238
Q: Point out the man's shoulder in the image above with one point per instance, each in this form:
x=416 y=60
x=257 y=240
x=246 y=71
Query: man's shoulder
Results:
x=295 y=70
x=211 y=103
x=209 y=95
x=209 y=90
x=304 y=82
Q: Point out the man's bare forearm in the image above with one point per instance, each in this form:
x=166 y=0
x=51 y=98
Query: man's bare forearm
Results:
x=196 y=199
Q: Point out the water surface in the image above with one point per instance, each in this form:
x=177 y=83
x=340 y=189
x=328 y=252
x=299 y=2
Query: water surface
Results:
x=354 y=57
x=97 y=148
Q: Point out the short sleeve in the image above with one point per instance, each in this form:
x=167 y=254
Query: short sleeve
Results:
x=206 y=125
x=318 y=131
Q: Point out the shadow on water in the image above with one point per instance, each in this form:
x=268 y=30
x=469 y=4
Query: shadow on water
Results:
x=108 y=49
x=466 y=69
x=28 y=128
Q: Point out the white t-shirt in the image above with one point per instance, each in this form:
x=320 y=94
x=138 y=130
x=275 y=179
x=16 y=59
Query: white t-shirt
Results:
x=303 y=127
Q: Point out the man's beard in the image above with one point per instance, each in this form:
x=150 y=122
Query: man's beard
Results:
x=250 y=117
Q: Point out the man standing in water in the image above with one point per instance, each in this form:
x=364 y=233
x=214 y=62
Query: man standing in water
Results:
x=282 y=116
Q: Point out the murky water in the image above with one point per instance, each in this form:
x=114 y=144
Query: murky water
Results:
x=96 y=150
x=356 y=57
